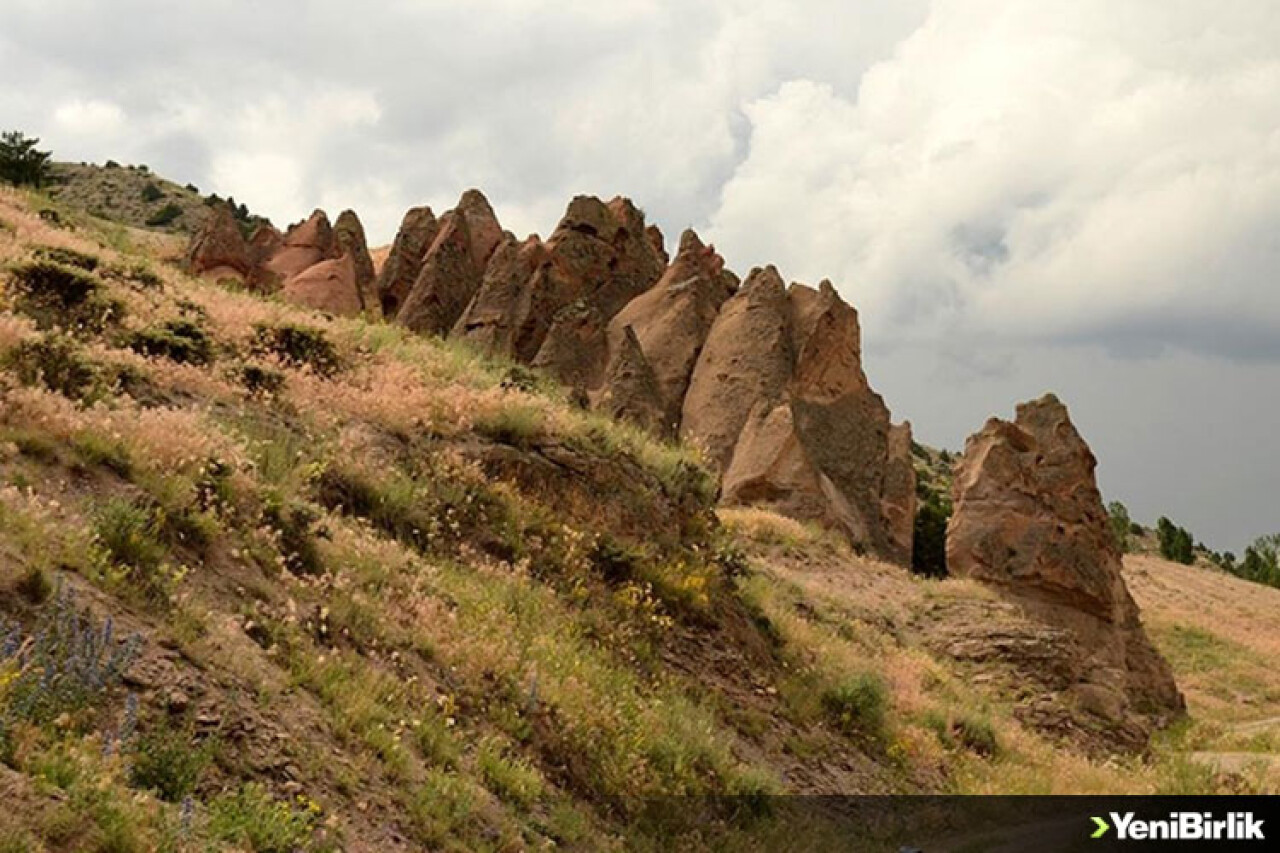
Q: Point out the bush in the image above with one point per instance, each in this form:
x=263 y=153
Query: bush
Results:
x=297 y=345
x=516 y=423
x=295 y=528
x=151 y=192
x=252 y=817
x=68 y=257
x=130 y=534
x=164 y=216
x=166 y=760
x=55 y=294
x=1176 y=543
x=182 y=341
x=54 y=362
x=21 y=162
x=1261 y=563
x=260 y=380
x=857 y=706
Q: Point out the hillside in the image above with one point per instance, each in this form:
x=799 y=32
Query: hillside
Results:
x=391 y=594
x=130 y=195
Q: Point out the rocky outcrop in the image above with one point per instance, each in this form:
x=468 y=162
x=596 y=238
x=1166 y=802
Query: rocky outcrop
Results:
x=218 y=249
x=305 y=245
x=672 y=319
x=329 y=286
x=631 y=390
x=780 y=403
x=417 y=232
x=599 y=257
x=348 y=234
x=1028 y=520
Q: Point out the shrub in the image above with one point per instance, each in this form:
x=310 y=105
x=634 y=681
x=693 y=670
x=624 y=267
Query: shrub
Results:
x=294 y=524
x=251 y=816
x=67 y=257
x=297 y=345
x=21 y=162
x=857 y=706
x=64 y=666
x=55 y=294
x=164 y=216
x=166 y=760
x=54 y=362
x=151 y=192
x=130 y=534
x=516 y=423
x=513 y=779
x=182 y=341
x=260 y=380
x=1118 y=517
x=34 y=585
x=1176 y=543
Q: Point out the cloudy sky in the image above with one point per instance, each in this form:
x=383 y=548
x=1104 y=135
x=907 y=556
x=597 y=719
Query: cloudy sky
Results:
x=1076 y=195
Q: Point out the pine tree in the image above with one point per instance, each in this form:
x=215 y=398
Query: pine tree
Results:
x=21 y=162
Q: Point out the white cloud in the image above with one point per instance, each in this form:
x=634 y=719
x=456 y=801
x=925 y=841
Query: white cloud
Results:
x=92 y=117
x=1058 y=169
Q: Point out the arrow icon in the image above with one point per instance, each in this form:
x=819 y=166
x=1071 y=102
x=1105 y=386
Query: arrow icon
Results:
x=1102 y=828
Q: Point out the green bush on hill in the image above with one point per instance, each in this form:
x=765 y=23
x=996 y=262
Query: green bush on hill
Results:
x=21 y=163
x=1176 y=543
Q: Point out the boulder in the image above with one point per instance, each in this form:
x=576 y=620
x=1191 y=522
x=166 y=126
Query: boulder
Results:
x=572 y=348
x=672 y=319
x=630 y=391
x=404 y=260
x=482 y=226
x=218 y=249
x=1028 y=520
x=348 y=233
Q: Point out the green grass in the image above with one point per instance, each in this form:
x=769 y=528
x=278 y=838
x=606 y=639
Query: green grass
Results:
x=858 y=705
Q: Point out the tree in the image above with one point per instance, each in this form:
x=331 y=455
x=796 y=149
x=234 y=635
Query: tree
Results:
x=929 y=548
x=1118 y=516
x=1261 y=562
x=1176 y=543
x=20 y=162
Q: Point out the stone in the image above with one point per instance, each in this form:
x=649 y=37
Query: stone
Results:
x=672 y=319
x=630 y=390
x=348 y=233
x=218 y=249
x=1028 y=520
x=328 y=286
x=447 y=281
x=305 y=245
x=404 y=261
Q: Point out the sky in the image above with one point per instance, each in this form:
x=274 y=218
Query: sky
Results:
x=1080 y=196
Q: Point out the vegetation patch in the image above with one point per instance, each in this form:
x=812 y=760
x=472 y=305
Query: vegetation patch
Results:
x=183 y=341
x=300 y=346
x=55 y=362
x=55 y=294
x=68 y=257
x=857 y=706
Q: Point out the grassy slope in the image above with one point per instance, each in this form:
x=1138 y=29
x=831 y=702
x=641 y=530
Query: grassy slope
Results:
x=401 y=596
x=120 y=194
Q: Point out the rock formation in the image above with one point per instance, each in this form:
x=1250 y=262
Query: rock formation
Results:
x=305 y=244
x=417 y=232
x=631 y=390
x=599 y=257
x=218 y=249
x=452 y=266
x=1028 y=519
x=348 y=233
x=780 y=403
x=329 y=286
x=672 y=319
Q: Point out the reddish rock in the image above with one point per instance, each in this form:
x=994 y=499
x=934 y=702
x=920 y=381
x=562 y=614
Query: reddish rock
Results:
x=328 y=286
x=658 y=242
x=573 y=345
x=404 y=262
x=218 y=249
x=482 y=226
x=305 y=244
x=348 y=233
x=672 y=319
x=745 y=361
x=599 y=255
x=1028 y=519
x=630 y=391
x=447 y=282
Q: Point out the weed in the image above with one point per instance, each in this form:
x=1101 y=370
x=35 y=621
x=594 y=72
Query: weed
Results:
x=294 y=524
x=67 y=257
x=516 y=423
x=182 y=341
x=34 y=585
x=55 y=362
x=857 y=705
x=251 y=816
x=93 y=449
x=297 y=345
x=130 y=534
x=511 y=778
x=167 y=760
x=54 y=294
